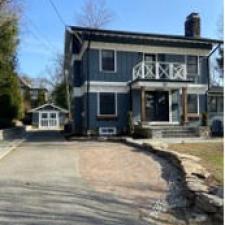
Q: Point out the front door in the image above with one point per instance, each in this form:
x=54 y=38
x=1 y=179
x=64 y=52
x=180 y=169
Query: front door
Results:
x=48 y=120
x=157 y=106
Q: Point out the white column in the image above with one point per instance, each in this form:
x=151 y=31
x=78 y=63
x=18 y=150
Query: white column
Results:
x=171 y=75
x=143 y=70
x=156 y=70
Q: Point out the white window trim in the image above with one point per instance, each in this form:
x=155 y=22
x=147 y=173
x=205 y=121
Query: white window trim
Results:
x=115 y=61
x=150 y=53
x=198 y=66
x=98 y=105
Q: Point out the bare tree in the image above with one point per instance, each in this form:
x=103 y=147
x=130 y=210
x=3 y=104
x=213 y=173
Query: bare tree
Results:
x=55 y=72
x=94 y=14
x=218 y=61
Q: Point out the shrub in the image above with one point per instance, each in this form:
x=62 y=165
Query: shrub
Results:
x=204 y=119
x=6 y=123
x=130 y=124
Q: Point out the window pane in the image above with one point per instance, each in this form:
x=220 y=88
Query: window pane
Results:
x=192 y=103
x=212 y=104
x=149 y=57
x=192 y=64
x=44 y=115
x=220 y=104
x=108 y=60
x=107 y=104
x=53 y=115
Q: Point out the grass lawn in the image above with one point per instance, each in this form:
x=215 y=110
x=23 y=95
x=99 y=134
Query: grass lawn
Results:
x=211 y=155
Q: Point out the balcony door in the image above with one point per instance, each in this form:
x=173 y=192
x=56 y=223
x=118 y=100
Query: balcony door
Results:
x=157 y=106
x=150 y=57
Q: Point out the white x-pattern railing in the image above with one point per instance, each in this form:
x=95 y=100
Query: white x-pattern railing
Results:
x=159 y=70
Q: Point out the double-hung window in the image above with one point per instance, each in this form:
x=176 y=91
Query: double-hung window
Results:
x=107 y=104
x=215 y=104
x=192 y=102
x=192 y=65
x=108 y=60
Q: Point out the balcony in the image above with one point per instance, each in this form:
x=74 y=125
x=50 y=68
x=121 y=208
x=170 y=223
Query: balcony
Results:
x=159 y=70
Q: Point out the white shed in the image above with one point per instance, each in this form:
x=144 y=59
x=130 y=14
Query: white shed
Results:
x=49 y=116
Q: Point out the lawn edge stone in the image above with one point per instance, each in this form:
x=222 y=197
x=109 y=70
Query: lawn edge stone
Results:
x=195 y=177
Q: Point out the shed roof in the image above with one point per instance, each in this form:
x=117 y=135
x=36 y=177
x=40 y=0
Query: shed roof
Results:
x=49 y=105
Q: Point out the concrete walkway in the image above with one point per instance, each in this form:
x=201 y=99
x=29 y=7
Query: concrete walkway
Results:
x=40 y=185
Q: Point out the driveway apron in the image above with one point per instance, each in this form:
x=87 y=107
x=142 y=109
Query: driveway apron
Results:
x=40 y=184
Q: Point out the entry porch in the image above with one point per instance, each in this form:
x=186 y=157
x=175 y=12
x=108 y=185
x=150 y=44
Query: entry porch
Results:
x=160 y=106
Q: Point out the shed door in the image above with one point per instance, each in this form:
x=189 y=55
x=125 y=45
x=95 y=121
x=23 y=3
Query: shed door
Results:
x=48 y=120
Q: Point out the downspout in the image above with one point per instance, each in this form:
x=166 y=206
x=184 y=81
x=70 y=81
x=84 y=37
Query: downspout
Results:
x=130 y=98
x=88 y=85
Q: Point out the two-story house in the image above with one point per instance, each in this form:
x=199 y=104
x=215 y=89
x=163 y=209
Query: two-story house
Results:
x=34 y=92
x=161 y=79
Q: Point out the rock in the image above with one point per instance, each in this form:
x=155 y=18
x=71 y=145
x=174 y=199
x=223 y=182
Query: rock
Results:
x=190 y=157
x=217 y=191
x=197 y=218
x=197 y=179
x=197 y=186
x=209 y=203
x=215 y=200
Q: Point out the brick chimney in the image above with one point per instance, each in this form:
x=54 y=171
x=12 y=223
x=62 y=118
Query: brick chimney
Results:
x=193 y=25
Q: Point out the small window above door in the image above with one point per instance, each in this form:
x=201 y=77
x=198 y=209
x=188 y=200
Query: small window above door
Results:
x=150 y=57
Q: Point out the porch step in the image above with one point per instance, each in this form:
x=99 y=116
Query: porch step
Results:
x=179 y=132
x=166 y=131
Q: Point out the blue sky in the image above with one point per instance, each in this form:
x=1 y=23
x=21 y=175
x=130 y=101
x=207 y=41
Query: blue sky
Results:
x=42 y=34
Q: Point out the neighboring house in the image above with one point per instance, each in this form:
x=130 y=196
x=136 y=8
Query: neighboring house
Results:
x=161 y=79
x=49 y=116
x=33 y=91
x=215 y=109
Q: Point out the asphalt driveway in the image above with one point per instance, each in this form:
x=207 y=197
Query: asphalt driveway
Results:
x=45 y=181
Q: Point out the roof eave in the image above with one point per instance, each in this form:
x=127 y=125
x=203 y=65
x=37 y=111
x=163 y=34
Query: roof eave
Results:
x=150 y=36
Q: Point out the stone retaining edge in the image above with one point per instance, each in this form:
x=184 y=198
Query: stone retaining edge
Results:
x=195 y=177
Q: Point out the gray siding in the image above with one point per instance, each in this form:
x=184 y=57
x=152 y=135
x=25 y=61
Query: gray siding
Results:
x=202 y=103
x=125 y=63
x=203 y=76
x=77 y=114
